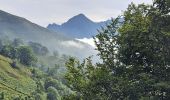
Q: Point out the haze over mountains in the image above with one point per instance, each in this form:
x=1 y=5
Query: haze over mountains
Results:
x=78 y=26
x=12 y=26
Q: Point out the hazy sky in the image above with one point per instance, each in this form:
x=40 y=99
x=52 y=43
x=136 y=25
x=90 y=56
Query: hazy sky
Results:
x=44 y=12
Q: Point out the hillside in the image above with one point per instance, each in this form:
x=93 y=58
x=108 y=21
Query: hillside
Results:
x=78 y=26
x=15 y=82
x=15 y=26
x=12 y=26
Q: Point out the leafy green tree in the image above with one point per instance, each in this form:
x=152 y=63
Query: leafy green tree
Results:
x=136 y=58
x=89 y=81
x=143 y=50
x=51 y=82
x=62 y=90
x=26 y=56
x=52 y=94
x=54 y=83
x=6 y=51
x=9 y=51
x=2 y=97
x=163 y=5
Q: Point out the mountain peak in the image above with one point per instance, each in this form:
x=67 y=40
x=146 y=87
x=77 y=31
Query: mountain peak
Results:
x=79 y=26
x=79 y=18
x=81 y=15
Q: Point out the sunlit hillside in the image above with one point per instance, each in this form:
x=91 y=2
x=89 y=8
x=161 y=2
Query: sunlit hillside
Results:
x=15 y=82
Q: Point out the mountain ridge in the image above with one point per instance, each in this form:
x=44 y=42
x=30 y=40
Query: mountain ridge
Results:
x=12 y=27
x=78 y=26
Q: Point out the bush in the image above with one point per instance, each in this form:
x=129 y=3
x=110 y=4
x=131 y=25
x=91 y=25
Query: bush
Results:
x=26 y=56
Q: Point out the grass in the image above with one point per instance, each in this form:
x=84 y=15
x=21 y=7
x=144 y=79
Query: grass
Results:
x=15 y=82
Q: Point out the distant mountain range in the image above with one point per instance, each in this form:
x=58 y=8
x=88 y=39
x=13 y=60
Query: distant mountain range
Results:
x=12 y=26
x=78 y=26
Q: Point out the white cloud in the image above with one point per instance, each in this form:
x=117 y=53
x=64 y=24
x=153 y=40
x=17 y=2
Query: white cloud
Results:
x=89 y=41
x=72 y=44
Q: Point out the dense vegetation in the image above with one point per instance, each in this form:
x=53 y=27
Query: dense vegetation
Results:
x=135 y=63
x=24 y=76
x=15 y=83
x=136 y=58
x=16 y=50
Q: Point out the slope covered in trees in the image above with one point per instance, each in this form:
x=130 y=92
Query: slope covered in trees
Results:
x=24 y=76
x=135 y=63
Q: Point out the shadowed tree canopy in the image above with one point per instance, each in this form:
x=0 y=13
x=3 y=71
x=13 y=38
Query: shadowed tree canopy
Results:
x=26 y=56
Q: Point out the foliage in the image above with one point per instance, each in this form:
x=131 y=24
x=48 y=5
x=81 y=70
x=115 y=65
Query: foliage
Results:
x=9 y=51
x=17 y=51
x=53 y=94
x=136 y=58
x=89 y=81
x=163 y=5
x=15 y=82
x=26 y=56
x=20 y=54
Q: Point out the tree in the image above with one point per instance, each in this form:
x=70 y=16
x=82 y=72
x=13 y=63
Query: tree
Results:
x=136 y=58
x=26 y=56
x=163 y=5
x=9 y=51
x=87 y=81
x=6 y=51
x=144 y=46
x=53 y=94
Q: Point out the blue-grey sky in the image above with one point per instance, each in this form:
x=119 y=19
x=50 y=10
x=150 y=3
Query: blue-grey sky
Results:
x=44 y=12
